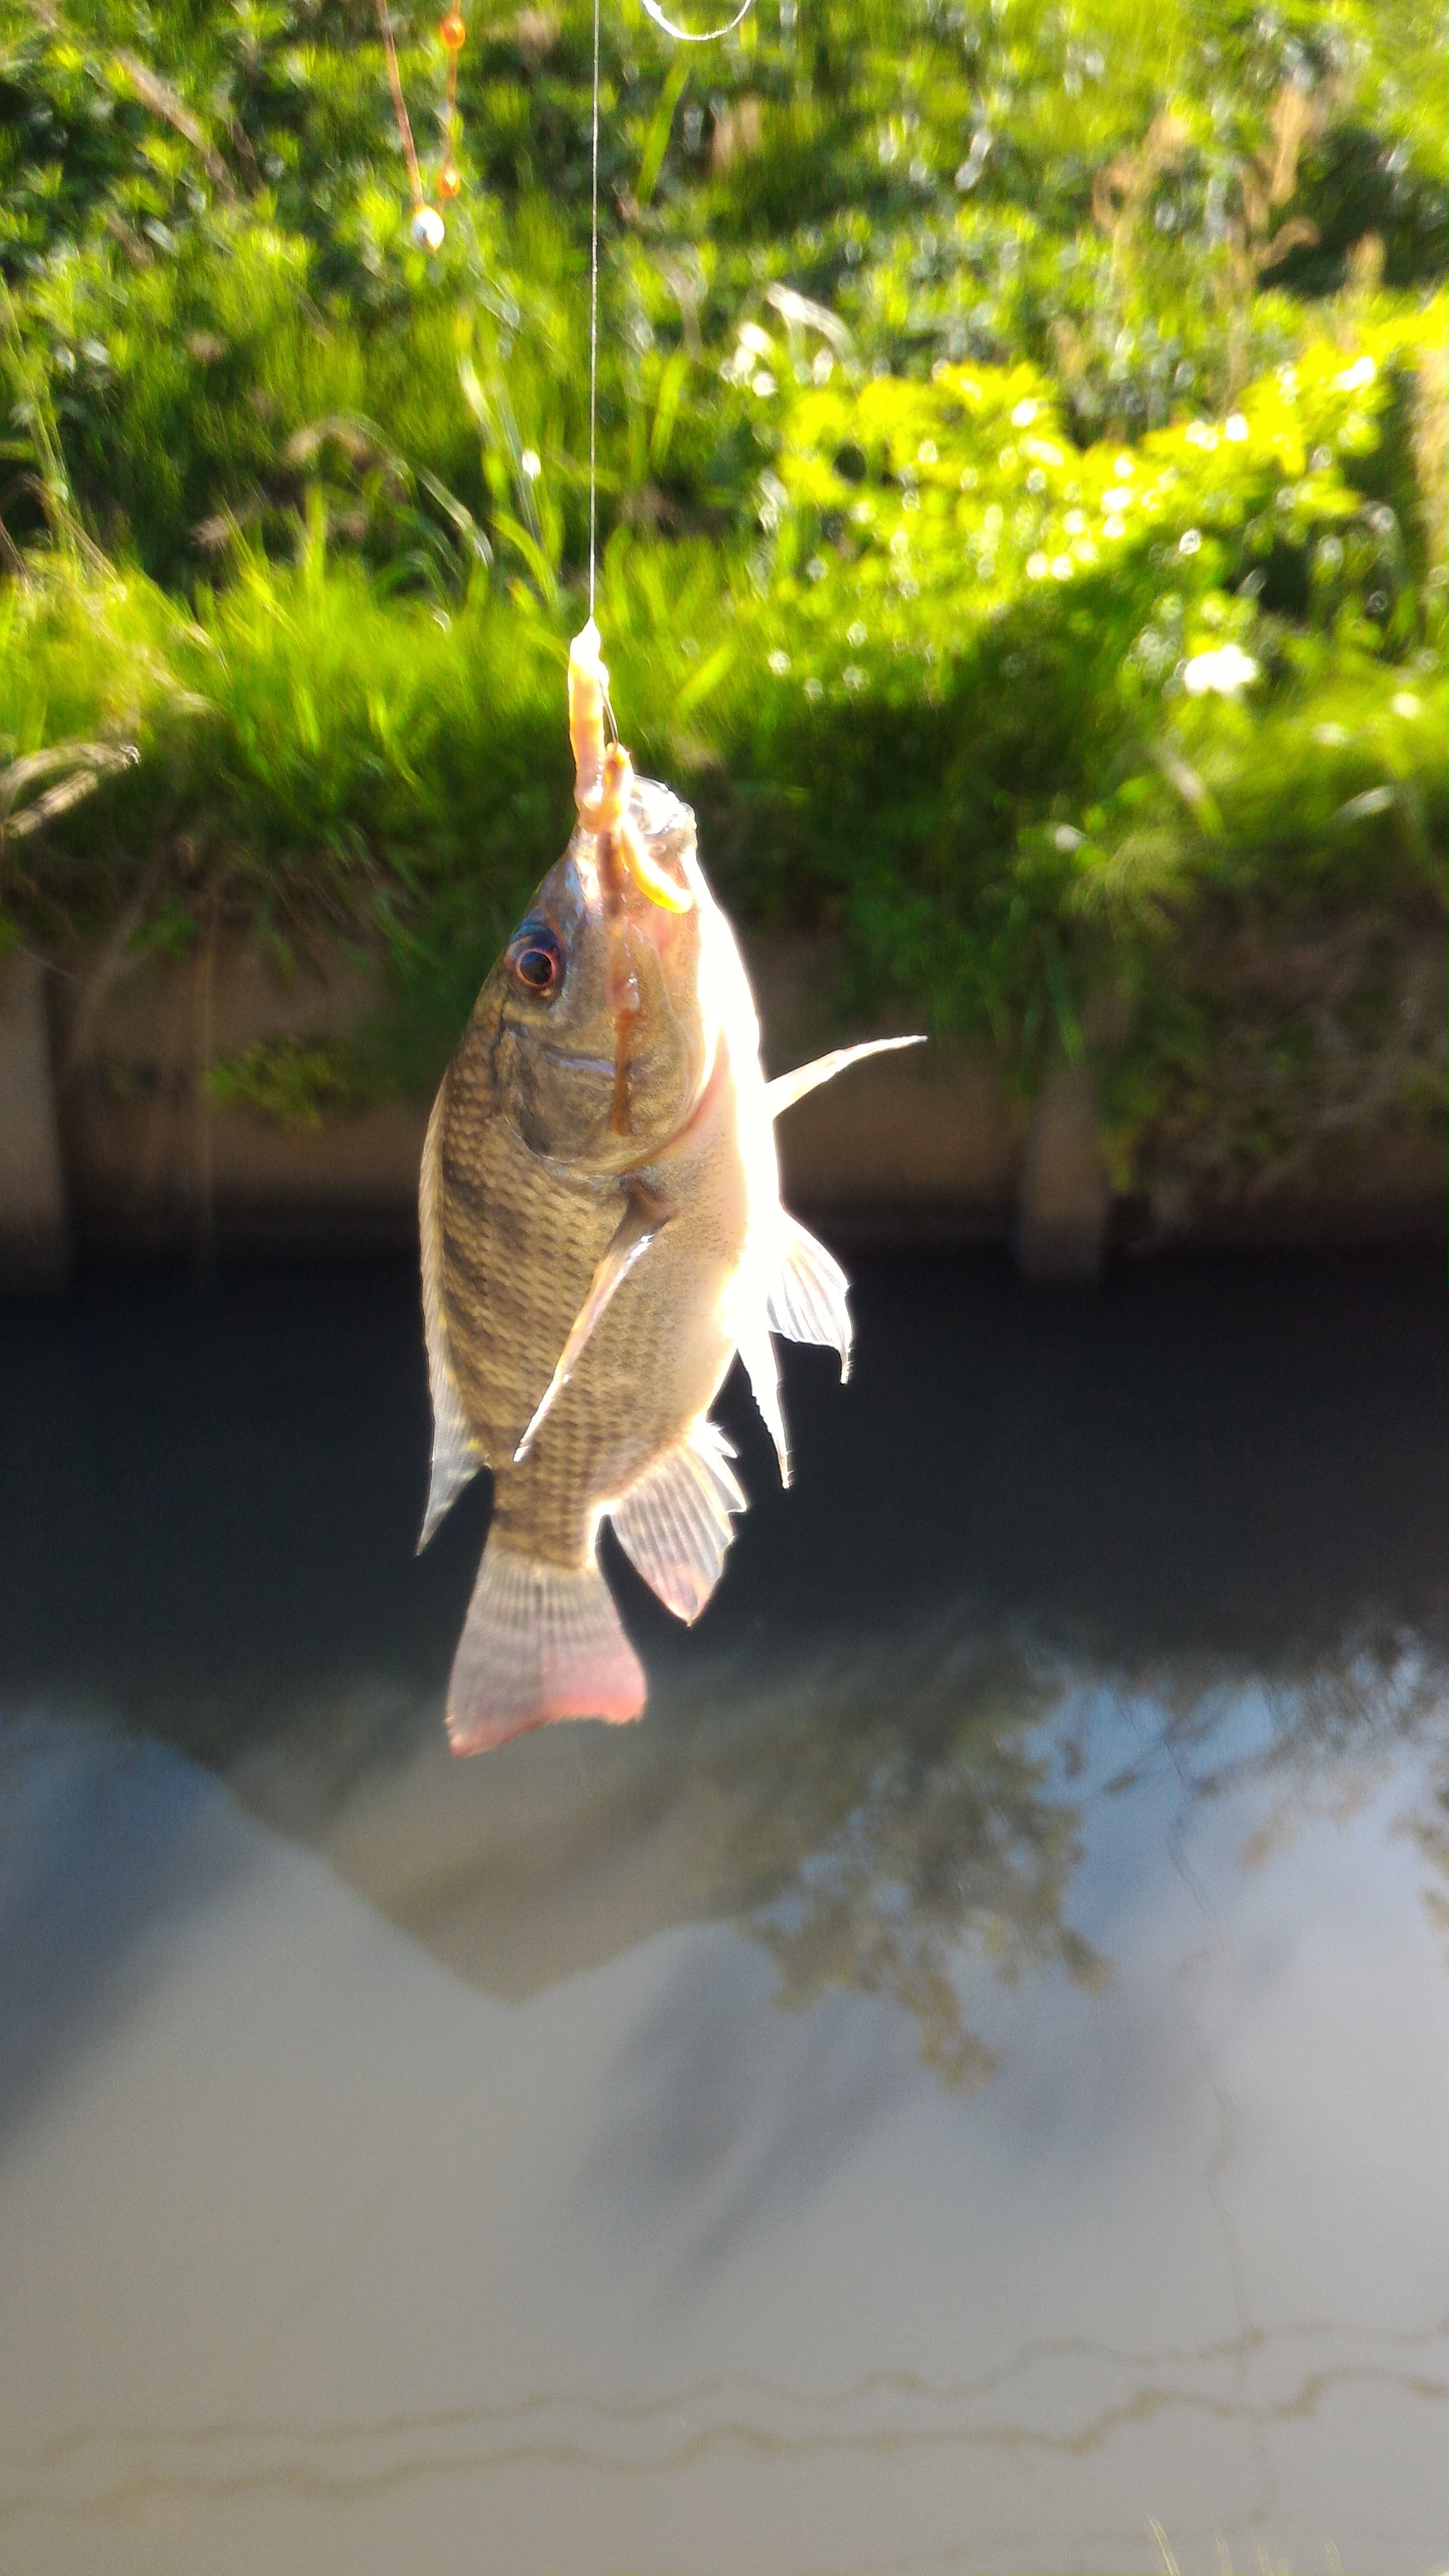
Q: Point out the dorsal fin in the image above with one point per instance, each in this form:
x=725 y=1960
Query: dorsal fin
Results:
x=674 y=1524
x=457 y=1456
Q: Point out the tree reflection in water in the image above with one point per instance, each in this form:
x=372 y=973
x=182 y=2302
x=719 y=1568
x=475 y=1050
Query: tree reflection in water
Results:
x=1194 y=1528
x=1377 y=1711
x=911 y=1817
x=878 y=1819
x=872 y=1819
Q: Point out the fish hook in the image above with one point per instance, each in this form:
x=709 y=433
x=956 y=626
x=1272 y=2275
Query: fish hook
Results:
x=686 y=35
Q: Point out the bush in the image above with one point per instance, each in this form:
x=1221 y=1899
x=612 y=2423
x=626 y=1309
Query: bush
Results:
x=1021 y=489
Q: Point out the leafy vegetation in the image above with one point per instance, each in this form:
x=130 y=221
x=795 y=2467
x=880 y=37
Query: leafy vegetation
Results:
x=1021 y=444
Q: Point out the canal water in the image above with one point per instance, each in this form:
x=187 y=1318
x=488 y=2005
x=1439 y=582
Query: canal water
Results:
x=964 y=2085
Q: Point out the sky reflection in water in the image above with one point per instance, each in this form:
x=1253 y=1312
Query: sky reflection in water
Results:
x=410 y=2164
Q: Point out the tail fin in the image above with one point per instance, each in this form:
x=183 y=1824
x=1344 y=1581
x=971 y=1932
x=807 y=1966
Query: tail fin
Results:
x=540 y=1642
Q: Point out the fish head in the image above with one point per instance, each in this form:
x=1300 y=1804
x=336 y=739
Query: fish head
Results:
x=606 y=1039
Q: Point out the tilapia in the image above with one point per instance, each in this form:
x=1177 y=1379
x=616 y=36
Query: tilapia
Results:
x=601 y=1234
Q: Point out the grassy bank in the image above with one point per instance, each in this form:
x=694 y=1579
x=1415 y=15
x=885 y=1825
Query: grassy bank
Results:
x=1022 y=491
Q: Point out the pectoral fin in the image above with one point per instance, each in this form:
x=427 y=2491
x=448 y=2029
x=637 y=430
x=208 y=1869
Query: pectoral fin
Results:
x=674 y=1525
x=457 y=1456
x=808 y=1291
x=644 y=1217
x=787 y=1088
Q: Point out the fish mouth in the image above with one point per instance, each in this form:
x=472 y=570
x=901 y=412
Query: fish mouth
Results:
x=651 y=881
x=604 y=787
x=625 y=865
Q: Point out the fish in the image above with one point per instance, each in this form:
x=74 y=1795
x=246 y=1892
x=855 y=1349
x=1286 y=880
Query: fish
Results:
x=601 y=1233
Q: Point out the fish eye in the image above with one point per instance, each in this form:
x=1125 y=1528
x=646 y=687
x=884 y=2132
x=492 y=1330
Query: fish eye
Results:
x=535 y=960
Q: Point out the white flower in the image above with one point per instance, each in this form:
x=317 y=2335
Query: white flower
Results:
x=1354 y=378
x=853 y=676
x=855 y=634
x=1114 y=528
x=814 y=689
x=1405 y=704
x=1189 y=542
x=1036 y=567
x=1235 y=428
x=763 y=384
x=779 y=664
x=1024 y=414
x=531 y=464
x=815 y=570
x=926 y=452
x=1061 y=567
x=1220 y=674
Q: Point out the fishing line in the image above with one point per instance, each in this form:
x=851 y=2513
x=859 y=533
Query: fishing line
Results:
x=680 y=36
x=594 y=327
x=427 y=224
x=400 y=108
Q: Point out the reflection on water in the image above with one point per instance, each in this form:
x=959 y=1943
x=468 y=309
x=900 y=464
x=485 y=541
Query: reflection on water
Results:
x=873 y=1818
x=409 y=2163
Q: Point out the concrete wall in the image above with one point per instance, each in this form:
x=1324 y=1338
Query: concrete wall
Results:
x=108 y=1137
x=34 y=1233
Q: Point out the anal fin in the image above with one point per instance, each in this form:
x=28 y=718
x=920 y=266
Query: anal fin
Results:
x=758 y=1354
x=674 y=1524
x=808 y=1291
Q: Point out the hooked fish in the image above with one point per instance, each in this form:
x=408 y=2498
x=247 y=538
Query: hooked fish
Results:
x=601 y=1233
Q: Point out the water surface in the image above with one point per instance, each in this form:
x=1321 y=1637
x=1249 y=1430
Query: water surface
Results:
x=962 y=2086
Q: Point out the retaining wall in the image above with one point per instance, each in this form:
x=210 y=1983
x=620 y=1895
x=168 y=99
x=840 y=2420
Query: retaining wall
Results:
x=110 y=1142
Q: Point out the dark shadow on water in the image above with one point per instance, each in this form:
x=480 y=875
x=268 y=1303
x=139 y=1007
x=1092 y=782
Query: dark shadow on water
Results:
x=209 y=1486
x=1208 y=1477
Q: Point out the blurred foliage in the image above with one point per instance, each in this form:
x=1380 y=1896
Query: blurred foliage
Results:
x=1021 y=492
x=284 y=1080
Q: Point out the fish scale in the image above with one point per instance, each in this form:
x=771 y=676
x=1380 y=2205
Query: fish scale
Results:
x=509 y=1318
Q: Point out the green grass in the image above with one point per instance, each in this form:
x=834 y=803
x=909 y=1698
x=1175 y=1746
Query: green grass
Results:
x=962 y=390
